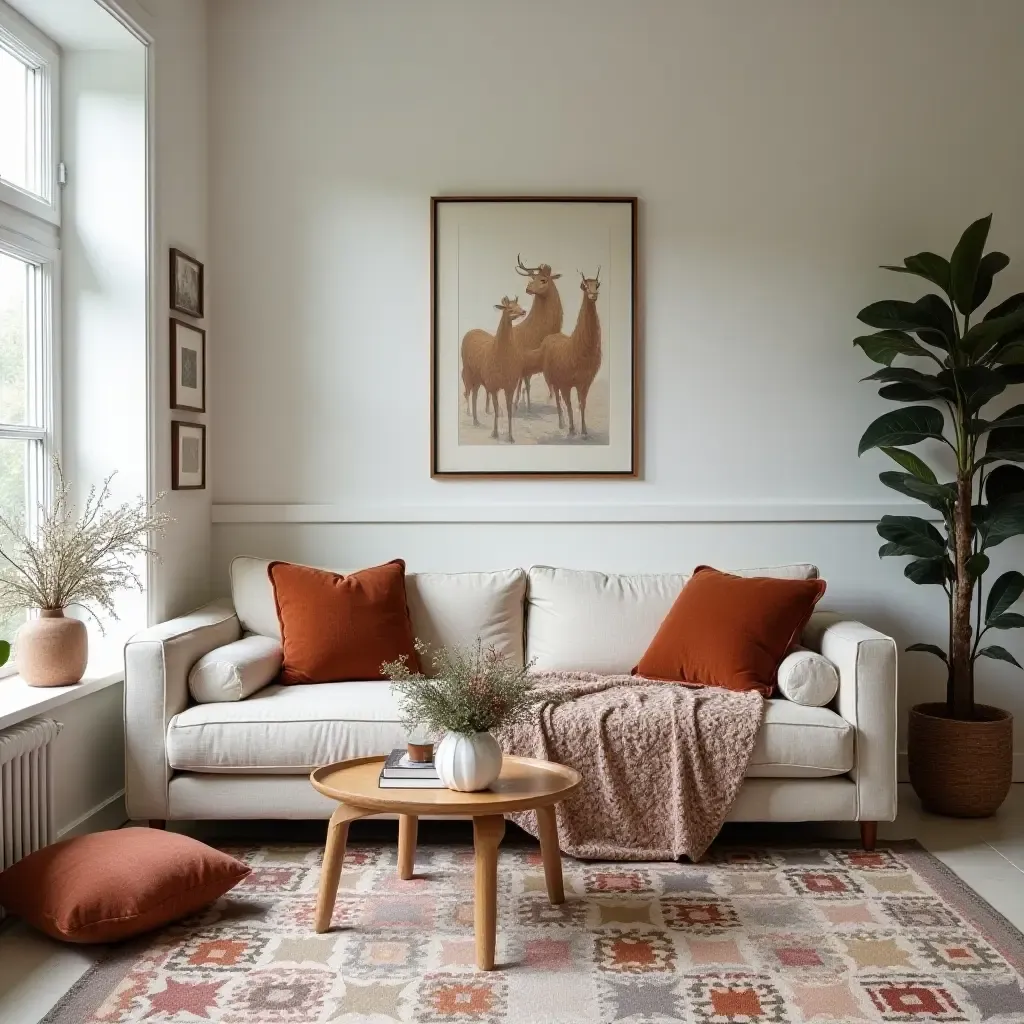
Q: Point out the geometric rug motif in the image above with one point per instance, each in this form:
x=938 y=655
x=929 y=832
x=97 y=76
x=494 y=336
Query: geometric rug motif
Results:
x=756 y=936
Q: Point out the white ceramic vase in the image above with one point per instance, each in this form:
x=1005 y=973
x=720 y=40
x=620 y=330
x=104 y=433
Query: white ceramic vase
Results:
x=468 y=763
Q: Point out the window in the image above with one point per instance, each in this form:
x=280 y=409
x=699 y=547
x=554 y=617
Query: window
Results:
x=29 y=249
x=28 y=117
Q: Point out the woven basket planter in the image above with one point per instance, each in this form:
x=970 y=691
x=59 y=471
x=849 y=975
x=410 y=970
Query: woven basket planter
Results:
x=962 y=769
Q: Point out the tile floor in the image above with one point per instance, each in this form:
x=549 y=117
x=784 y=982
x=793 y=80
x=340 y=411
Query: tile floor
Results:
x=988 y=855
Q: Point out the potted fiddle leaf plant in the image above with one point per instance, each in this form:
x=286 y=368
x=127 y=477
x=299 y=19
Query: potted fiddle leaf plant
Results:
x=960 y=751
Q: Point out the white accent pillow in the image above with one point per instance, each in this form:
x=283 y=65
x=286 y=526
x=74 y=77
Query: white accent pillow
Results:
x=235 y=671
x=808 y=678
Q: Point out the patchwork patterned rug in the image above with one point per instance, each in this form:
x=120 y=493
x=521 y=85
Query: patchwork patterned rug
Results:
x=749 y=937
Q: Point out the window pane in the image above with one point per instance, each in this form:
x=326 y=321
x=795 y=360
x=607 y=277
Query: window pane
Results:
x=14 y=459
x=15 y=121
x=13 y=339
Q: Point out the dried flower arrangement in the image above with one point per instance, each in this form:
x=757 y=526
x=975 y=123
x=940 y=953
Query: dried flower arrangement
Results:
x=474 y=689
x=81 y=560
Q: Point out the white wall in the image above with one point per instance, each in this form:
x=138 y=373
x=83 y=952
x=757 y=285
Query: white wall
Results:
x=103 y=241
x=780 y=151
x=181 y=580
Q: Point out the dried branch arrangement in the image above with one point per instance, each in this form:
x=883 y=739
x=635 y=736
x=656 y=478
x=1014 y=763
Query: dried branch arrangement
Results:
x=82 y=560
x=474 y=689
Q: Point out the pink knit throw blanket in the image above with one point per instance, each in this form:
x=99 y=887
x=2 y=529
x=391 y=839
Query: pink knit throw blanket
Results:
x=661 y=763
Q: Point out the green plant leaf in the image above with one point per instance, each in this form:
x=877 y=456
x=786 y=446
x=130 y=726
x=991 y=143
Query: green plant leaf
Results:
x=978 y=384
x=889 y=550
x=930 y=318
x=1005 y=593
x=911 y=462
x=915 y=536
x=1014 y=302
x=991 y=264
x=937 y=496
x=1009 y=620
x=1003 y=482
x=963 y=267
x=999 y=654
x=5 y=651
x=925 y=571
x=902 y=426
x=884 y=346
x=928 y=265
x=1004 y=521
x=986 y=335
x=1009 y=352
x=929 y=649
x=1005 y=443
x=906 y=393
x=1012 y=373
x=977 y=565
x=908 y=375
x=1013 y=417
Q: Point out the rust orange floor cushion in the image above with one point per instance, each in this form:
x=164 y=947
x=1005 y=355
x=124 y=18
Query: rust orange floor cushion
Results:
x=111 y=885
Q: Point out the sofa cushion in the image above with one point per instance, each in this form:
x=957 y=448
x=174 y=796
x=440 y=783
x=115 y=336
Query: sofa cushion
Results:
x=601 y=622
x=445 y=608
x=800 y=742
x=290 y=730
x=287 y=729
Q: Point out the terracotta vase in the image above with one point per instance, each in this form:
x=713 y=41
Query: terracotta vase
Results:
x=52 y=650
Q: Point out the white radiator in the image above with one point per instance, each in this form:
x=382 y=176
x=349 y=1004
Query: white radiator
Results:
x=26 y=789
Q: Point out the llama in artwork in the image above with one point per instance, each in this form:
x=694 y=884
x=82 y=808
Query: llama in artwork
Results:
x=572 y=361
x=493 y=362
x=544 y=318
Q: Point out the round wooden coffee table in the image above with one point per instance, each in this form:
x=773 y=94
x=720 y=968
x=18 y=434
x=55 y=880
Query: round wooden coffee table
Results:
x=524 y=785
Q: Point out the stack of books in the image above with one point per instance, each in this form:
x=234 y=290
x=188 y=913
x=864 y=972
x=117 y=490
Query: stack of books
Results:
x=401 y=773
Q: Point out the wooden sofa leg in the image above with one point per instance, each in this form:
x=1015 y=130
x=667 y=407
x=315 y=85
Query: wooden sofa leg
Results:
x=868 y=834
x=157 y=823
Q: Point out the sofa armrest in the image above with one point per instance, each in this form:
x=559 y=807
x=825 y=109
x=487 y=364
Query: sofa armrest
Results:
x=156 y=667
x=866 y=660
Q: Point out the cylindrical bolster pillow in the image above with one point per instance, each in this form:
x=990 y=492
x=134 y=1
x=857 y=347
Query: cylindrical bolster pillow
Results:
x=235 y=671
x=809 y=678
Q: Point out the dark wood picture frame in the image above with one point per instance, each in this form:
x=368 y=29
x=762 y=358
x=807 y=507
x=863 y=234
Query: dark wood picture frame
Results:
x=176 y=484
x=174 y=298
x=175 y=368
x=633 y=472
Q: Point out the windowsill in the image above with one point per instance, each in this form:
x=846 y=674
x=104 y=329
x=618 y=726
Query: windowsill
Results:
x=19 y=701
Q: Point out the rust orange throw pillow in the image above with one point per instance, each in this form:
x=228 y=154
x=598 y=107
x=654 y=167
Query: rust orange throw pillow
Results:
x=336 y=628
x=109 y=885
x=730 y=631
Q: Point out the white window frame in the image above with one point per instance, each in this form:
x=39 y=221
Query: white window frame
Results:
x=30 y=231
x=25 y=42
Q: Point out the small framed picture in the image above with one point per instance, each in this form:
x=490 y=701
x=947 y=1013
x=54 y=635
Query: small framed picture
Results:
x=186 y=284
x=188 y=366
x=188 y=456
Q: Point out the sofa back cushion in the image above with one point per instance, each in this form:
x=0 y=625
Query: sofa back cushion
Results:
x=445 y=608
x=600 y=622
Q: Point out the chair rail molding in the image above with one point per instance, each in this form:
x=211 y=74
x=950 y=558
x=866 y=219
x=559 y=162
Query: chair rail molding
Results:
x=570 y=512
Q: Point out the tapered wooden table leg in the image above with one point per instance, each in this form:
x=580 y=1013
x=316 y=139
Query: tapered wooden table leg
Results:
x=487 y=834
x=548 y=832
x=334 y=857
x=407 y=824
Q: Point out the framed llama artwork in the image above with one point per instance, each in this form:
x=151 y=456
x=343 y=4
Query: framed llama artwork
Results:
x=533 y=336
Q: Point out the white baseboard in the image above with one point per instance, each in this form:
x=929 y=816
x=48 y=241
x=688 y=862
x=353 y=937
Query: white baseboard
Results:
x=106 y=815
x=903 y=772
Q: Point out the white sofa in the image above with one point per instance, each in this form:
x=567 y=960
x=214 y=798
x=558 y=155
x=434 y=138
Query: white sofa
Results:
x=251 y=758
